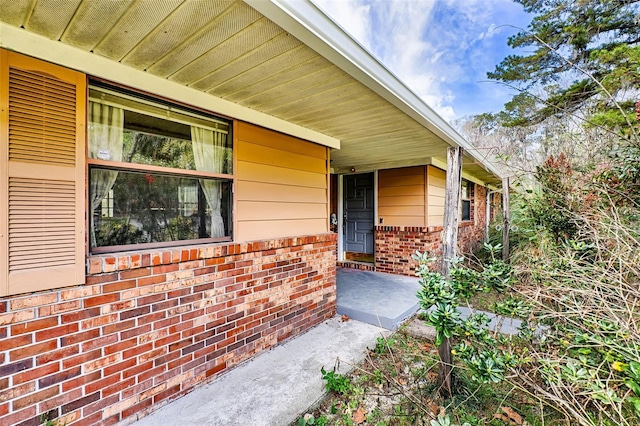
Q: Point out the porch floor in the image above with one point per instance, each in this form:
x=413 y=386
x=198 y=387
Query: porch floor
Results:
x=384 y=300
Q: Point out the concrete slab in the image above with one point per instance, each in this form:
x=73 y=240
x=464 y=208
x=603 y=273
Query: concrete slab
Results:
x=385 y=300
x=497 y=323
x=275 y=387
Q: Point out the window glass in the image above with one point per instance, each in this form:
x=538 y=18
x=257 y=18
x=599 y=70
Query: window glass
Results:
x=125 y=130
x=465 y=190
x=150 y=208
x=158 y=174
x=465 y=196
x=466 y=210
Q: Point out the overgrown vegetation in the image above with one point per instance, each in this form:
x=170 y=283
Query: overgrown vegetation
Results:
x=576 y=248
x=397 y=385
x=583 y=283
x=571 y=139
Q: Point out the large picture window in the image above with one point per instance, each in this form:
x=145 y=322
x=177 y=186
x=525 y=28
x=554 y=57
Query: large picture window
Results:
x=158 y=174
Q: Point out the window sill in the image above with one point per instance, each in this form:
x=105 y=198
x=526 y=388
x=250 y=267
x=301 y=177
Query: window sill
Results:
x=158 y=246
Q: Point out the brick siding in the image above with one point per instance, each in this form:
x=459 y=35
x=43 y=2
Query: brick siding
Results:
x=149 y=327
x=361 y=266
x=396 y=244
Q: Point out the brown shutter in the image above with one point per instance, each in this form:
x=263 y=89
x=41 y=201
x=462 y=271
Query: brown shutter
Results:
x=42 y=178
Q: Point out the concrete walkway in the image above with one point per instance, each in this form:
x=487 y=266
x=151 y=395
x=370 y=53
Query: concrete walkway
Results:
x=377 y=298
x=275 y=387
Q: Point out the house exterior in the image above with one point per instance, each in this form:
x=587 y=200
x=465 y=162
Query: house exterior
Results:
x=179 y=180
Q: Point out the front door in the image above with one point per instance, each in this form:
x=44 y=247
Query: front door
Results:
x=358 y=213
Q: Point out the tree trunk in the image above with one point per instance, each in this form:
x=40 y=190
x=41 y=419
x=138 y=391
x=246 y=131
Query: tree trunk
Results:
x=449 y=246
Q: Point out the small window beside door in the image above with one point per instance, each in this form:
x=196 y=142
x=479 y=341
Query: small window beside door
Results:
x=466 y=196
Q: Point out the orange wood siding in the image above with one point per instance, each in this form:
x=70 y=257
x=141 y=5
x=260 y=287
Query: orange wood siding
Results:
x=281 y=185
x=436 y=191
x=401 y=196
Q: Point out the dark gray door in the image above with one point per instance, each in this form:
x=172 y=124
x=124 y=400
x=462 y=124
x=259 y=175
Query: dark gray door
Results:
x=358 y=213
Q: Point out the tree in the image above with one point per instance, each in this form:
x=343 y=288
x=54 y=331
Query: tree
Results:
x=585 y=59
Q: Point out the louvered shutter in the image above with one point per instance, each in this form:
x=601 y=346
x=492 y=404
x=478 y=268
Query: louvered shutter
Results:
x=43 y=133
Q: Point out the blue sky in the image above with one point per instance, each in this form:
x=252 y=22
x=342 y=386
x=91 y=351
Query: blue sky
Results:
x=441 y=49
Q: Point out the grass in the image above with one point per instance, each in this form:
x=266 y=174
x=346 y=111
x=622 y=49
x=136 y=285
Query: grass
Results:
x=397 y=385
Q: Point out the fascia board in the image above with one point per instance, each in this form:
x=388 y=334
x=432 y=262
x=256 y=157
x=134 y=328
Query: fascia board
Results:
x=305 y=21
x=22 y=41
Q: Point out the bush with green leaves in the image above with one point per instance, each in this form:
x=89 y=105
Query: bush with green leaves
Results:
x=487 y=355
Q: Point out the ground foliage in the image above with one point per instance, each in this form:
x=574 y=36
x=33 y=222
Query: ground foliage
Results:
x=397 y=385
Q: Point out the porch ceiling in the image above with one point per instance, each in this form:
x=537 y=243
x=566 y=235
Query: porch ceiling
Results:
x=230 y=50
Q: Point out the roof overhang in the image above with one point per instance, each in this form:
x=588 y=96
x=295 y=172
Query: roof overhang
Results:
x=280 y=64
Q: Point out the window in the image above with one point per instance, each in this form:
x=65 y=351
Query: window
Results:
x=158 y=174
x=466 y=195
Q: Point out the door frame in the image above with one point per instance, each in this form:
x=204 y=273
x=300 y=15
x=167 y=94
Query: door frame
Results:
x=341 y=207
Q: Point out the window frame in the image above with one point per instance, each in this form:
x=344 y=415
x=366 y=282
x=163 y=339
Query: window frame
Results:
x=176 y=108
x=466 y=195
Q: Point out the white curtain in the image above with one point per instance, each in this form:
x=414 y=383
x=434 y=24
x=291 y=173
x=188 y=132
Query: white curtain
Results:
x=209 y=155
x=105 y=143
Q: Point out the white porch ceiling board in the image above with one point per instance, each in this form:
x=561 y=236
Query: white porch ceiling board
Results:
x=278 y=45
x=226 y=25
x=351 y=132
x=134 y=26
x=334 y=103
x=375 y=143
x=314 y=83
x=14 y=12
x=381 y=155
x=325 y=103
x=50 y=18
x=287 y=60
x=92 y=21
x=380 y=152
x=389 y=134
x=355 y=134
x=228 y=51
x=185 y=21
x=354 y=116
x=277 y=88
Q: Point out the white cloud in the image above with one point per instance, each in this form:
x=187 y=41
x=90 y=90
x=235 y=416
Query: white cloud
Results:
x=352 y=16
x=491 y=31
x=438 y=48
x=393 y=33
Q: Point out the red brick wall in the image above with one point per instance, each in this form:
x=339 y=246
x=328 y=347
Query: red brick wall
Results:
x=396 y=244
x=471 y=234
x=148 y=327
